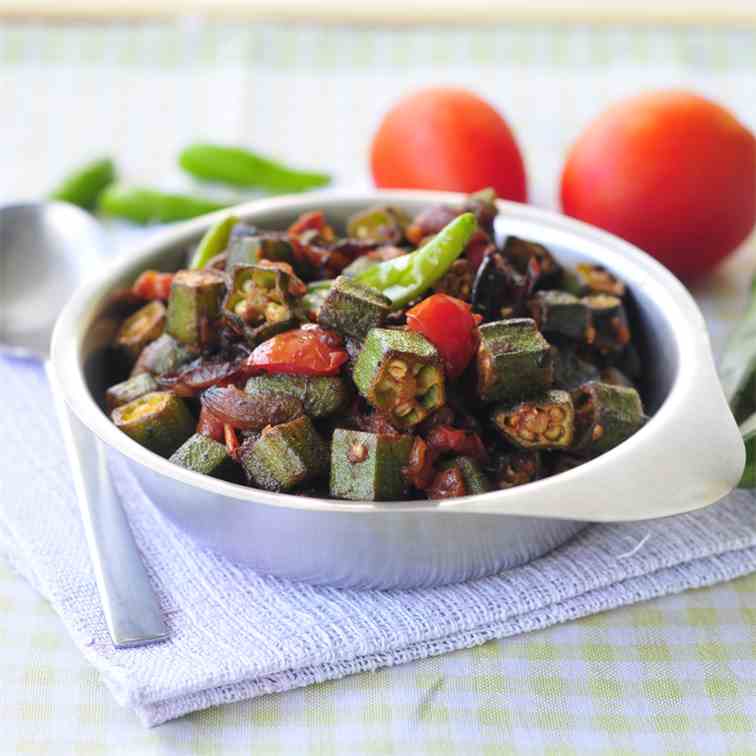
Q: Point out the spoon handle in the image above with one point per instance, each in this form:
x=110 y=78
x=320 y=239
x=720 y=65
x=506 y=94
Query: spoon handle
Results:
x=131 y=608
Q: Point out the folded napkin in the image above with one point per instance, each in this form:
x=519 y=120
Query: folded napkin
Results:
x=235 y=634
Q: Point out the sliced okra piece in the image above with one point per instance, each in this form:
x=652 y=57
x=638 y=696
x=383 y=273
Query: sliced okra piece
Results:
x=611 y=330
x=516 y=468
x=164 y=355
x=128 y=390
x=286 y=455
x=400 y=373
x=592 y=279
x=368 y=466
x=203 y=455
x=476 y=481
x=562 y=314
x=520 y=252
x=379 y=223
x=258 y=304
x=194 y=306
x=321 y=395
x=605 y=416
x=353 y=309
x=570 y=370
x=248 y=250
x=159 y=421
x=514 y=360
x=139 y=329
x=547 y=422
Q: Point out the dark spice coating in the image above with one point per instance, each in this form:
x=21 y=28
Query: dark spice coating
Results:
x=360 y=406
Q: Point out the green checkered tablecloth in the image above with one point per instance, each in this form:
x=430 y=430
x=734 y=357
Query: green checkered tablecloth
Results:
x=675 y=675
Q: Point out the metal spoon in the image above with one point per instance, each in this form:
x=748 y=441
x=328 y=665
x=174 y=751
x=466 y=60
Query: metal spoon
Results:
x=46 y=249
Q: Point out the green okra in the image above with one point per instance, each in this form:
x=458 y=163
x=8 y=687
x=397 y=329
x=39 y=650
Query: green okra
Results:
x=610 y=326
x=518 y=467
x=202 y=454
x=130 y=389
x=312 y=301
x=570 y=370
x=352 y=308
x=605 y=416
x=240 y=167
x=405 y=278
x=379 y=223
x=514 y=360
x=563 y=314
x=144 y=205
x=194 y=306
x=258 y=304
x=286 y=455
x=139 y=329
x=476 y=481
x=321 y=395
x=368 y=466
x=592 y=279
x=544 y=422
x=213 y=242
x=164 y=355
x=84 y=186
x=400 y=374
x=159 y=421
x=248 y=250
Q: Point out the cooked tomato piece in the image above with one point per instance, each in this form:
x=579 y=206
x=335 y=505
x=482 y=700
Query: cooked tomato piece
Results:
x=450 y=326
x=153 y=285
x=306 y=351
x=444 y=438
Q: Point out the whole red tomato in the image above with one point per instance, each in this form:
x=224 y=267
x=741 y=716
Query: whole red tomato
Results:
x=671 y=172
x=447 y=138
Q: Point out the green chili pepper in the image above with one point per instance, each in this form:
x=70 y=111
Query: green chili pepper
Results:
x=213 y=242
x=738 y=366
x=84 y=186
x=240 y=167
x=144 y=205
x=407 y=277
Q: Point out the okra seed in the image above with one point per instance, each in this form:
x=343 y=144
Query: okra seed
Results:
x=527 y=435
x=398 y=369
x=357 y=453
x=598 y=431
x=556 y=413
x=554 y=433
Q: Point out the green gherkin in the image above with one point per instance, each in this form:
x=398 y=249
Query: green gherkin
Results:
x=368 y=466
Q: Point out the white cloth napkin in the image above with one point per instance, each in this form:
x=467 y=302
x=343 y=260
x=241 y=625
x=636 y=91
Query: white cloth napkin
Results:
x=235 y=634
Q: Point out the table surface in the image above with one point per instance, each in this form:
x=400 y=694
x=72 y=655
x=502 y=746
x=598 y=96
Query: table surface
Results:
x=673 y=675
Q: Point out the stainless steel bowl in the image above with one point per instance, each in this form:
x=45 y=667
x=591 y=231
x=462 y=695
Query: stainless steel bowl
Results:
x=688 y=456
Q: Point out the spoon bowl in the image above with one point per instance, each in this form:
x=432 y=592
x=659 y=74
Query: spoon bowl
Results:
x=46 y=250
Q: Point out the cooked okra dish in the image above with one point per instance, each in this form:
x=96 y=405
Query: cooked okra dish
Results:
x=402 y=358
